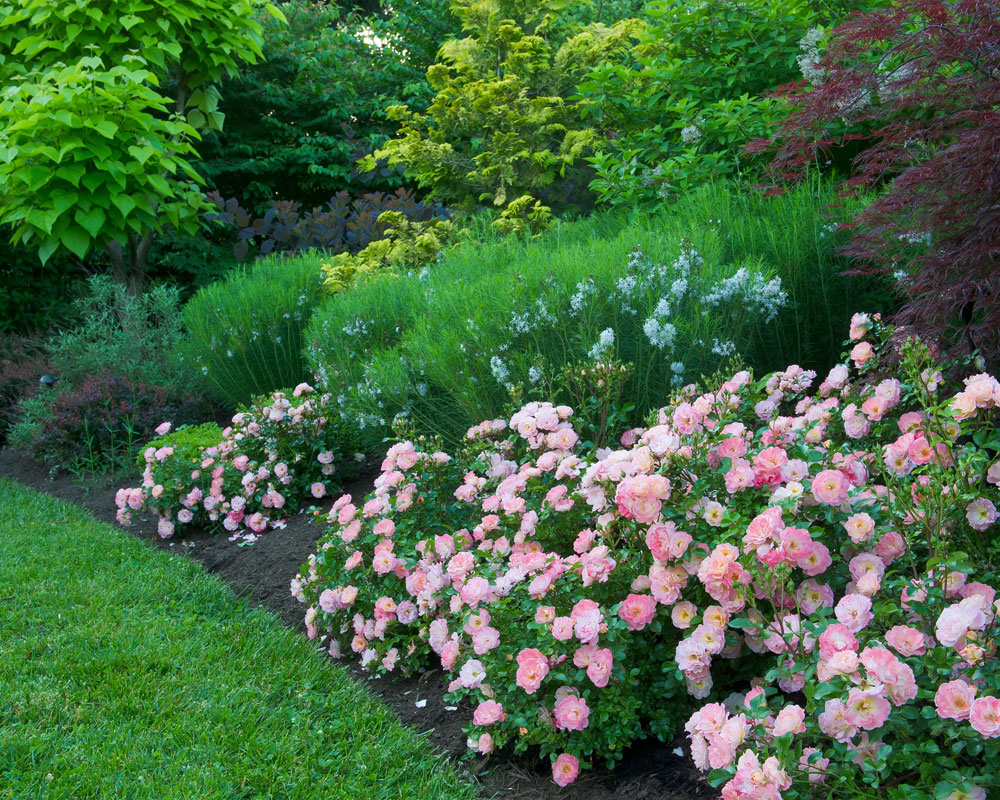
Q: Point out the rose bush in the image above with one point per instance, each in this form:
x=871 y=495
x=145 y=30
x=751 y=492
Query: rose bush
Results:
x=279 y=453
x=580 y=598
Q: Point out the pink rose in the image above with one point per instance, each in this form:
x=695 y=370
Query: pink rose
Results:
x=487 y=712
x=830 y=487
x=953 y=700
x=791 y=719
x=854 y=612
x=565 y=769
x=571 y=713
x=906 y=641
x=637 y=610
x=985 y=717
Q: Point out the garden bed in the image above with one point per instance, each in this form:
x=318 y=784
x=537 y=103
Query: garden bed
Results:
x=262 y=573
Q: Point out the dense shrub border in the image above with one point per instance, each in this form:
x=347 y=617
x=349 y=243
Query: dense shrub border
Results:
x=577 y=597
x=280 y=452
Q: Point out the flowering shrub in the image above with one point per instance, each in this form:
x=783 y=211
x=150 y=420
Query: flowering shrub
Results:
x=279 y=453
x=582 y=598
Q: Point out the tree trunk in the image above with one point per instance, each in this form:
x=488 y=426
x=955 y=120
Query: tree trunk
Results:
x=128 y=265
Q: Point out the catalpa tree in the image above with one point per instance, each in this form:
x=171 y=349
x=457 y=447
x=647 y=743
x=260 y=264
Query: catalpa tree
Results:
x=94 y=153
x=916 y=86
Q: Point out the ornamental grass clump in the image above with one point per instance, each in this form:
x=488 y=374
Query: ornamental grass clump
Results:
x=280 y=453
x=828 y=550
x=246 y=331
x=725 y=272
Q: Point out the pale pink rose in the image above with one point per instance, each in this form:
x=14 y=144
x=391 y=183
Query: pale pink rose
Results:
x=317 y=490
x=487 y=712
x=791 y=719
x=860 y=527
x=571 y=713
x=981 y=513
x=562 y=628
x=830 y=487
x=906 y=641
x=682 y=614
x=532 y=667
x=866 y=711
x=985 y=717
x=953 y=700
x=475 y=591
x=860 y=325
x=861 y=353
x=565 y=769
x=472 y=673
x=958 y=619
x=163 y=429
x=854 y=612
x=835 y=639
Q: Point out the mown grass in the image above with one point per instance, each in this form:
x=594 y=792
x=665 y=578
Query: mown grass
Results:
x=128 y=673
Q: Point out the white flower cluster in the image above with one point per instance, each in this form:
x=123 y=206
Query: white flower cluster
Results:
x=916 y=237
x=660 y=333
x=605 y=342
x=688 y=259
x=810 y=57
x=757 y=294
x=499 y=370
x=690 y=134
x=585 y=289
x=356 y=328
x=723 y=348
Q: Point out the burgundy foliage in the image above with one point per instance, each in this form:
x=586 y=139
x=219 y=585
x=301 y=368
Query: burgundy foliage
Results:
x=917 y=87
x=346 y=223
x=107 y=417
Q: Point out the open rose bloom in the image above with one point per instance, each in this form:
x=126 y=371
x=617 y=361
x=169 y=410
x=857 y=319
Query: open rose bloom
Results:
x=817 y=554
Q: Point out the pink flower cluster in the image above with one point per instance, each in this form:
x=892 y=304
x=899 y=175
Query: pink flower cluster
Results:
x=273 y=456
x=552 y=581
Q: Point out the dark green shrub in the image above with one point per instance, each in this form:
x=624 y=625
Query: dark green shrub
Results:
x=245 y=332
x=22 y=363
x=137 y=338
x=297 y=121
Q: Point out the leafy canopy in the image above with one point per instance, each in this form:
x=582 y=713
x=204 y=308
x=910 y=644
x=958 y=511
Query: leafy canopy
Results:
x=92 y=150
x=503 y=123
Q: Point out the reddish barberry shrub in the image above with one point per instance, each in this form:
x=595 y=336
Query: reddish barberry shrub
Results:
x=917 y=86
x=103 y=421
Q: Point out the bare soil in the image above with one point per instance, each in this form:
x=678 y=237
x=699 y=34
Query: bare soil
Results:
x=262 y=572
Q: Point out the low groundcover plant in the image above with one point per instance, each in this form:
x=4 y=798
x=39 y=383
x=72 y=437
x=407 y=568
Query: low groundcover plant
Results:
x=280 y=452
x=829 y=546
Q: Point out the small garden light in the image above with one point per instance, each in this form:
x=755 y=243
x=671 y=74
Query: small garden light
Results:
x=46 y=381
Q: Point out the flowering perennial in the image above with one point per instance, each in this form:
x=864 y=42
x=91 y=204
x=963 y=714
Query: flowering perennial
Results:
x=827 y=545
x=281 y=452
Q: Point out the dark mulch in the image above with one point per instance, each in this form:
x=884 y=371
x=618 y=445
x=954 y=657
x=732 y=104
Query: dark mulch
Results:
x=262 y=572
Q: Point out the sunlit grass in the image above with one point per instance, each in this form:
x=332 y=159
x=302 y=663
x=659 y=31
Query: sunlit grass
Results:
x=128 y=673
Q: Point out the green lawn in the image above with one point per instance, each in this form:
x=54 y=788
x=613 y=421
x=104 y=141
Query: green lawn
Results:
x=128 y=673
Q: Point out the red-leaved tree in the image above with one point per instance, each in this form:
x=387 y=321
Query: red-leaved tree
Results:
x=917 y=87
